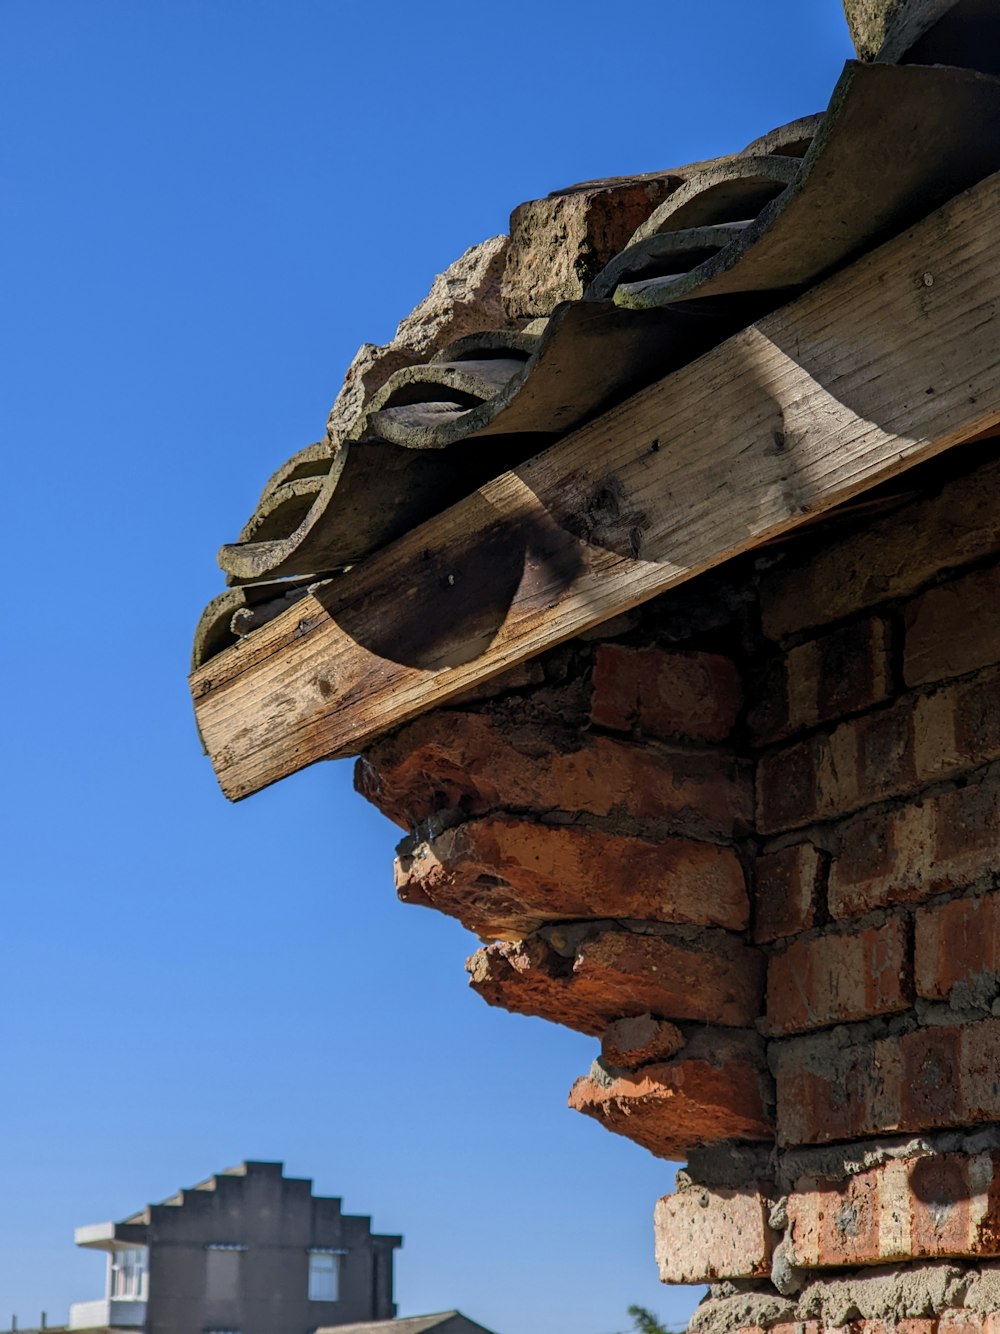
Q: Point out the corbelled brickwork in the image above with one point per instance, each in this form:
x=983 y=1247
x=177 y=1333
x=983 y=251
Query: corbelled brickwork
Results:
x=749 y=837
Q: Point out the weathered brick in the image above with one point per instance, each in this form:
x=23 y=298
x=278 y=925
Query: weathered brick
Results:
x=642 y=1040
x=958 y=943
x=932 y=1078
x=660 y=693
x=947 y=841
x=672 y=1108
x=953 y=629
x=919 y=740
x=968 y=1322
x=925 y=1207
x=503 y=877
x=798 y=1327
x=560 y=243
x=616 y=974
x=957 y=727
x=839 y=1219
x=841 y=673
x=890 y=558
x=914 y=1325
x=788 y=885
x=702 y=1235
x=839 y=977
x=862 y=761
x=787 y=786
x=479 y=763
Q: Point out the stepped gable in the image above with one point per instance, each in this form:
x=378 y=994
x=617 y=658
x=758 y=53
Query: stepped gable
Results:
x=688 y=703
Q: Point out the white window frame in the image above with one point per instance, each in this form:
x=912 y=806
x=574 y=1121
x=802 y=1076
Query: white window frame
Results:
x=128 y=1274
x=324 y=1273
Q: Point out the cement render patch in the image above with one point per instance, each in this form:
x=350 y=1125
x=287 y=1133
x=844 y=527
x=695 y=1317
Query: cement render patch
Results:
x=888 y=1294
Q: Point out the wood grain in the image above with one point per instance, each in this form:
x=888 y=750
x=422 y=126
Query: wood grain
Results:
x=884 y=365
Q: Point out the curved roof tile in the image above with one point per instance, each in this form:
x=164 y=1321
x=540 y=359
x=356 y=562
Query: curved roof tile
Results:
x=731 y=241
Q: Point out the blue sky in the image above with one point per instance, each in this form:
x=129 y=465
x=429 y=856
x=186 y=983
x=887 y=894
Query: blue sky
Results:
x=207 y=205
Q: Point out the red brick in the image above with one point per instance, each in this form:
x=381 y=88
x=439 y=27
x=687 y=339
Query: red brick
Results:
x=673 y=1108
x=844 y=672
x=862 y=761
x=914 y=1325
x=837 y=1223
x=957 y=942
x=968 y=1322
x=953 y=629
x=558 y=244
x=944 y=842
x=919 y=1208
x=642 y=1040
x=837 y=978
x=702 y=1235
x=890 y=558
x=922 y=739
x=787 y=786
x=957 y=727
x=788 y=885
x=917 y=1325
x=658 y=693
x=933 y=1078
x=796 y=1327
x=503 y=877
x=616 y=974
x=479 y=763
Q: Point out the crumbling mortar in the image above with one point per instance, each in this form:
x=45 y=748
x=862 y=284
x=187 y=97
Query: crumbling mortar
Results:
x=906 y=911
x=923 y=1014
x=926 y=690
x=567 y=935
x=676 y=741
x=747 y=852
x=714 y=1044
x=827 y=833
x=841 y=1162
x=896 y=654
x=839 y=1296
x=813 y=1049
x=834 y=927
x=617 y=821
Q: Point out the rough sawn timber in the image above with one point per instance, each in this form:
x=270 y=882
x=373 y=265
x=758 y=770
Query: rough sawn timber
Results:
x=891 y=361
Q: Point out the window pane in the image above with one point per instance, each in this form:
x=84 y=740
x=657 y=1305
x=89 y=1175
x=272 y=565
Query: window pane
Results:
x=128 y=1274
x=323 y=1274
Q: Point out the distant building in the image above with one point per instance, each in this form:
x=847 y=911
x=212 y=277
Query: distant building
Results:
x=446 y=1322
x=249 y=1251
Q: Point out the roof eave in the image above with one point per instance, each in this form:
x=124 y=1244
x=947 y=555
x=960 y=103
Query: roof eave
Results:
x=875 y=370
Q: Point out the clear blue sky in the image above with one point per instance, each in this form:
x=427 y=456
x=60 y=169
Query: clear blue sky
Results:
x=207 y=205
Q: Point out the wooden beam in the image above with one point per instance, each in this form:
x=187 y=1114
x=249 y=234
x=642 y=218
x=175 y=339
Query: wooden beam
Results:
x=881 y=367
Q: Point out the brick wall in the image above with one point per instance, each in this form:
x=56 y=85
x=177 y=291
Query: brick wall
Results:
x=749 y=837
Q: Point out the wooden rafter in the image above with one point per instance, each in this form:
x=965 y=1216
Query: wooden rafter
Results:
x=888 y=363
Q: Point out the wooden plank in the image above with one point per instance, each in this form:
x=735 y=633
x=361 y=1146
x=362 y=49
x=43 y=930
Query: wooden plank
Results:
x=881 y=367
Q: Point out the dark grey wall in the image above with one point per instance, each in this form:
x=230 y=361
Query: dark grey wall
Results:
x=264 y=1288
